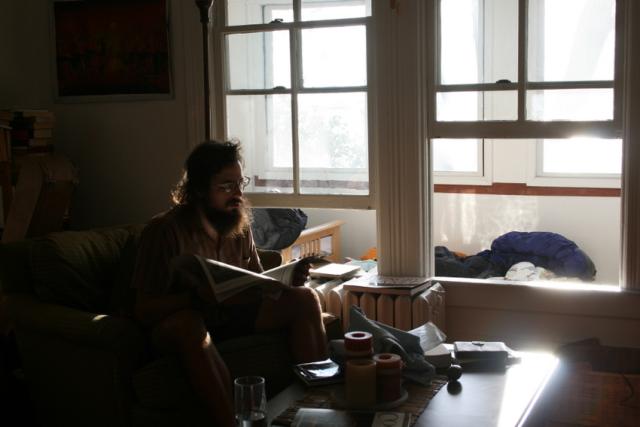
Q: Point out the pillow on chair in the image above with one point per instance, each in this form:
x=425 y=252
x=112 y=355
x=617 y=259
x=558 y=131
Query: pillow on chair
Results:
x=77 y=268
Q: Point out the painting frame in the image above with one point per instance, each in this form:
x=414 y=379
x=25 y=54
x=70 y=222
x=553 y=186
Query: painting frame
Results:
x=111 y=50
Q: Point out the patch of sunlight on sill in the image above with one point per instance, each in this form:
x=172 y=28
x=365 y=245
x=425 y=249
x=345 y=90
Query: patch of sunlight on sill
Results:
x=544 y=284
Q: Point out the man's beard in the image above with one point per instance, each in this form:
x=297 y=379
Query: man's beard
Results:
x=229 y=223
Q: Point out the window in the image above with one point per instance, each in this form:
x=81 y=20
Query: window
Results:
x=551 y=80
x=541 y=84
x=296 y=93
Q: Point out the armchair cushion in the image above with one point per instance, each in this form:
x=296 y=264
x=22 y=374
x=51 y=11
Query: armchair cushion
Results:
x=77 y=269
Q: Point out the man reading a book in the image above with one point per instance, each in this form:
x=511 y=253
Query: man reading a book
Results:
x=211 y=218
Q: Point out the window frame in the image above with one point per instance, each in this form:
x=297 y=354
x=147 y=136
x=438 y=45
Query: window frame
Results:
x=537 y=130
x=222 y=90
x=523 y=127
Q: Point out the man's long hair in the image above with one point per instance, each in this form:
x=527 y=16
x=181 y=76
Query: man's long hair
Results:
x=205 y=161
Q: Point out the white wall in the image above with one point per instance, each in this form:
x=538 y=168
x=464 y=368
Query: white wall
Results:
x=358 y=232
x=469 y=223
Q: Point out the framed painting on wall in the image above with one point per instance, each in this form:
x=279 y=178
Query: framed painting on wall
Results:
x=111 y=50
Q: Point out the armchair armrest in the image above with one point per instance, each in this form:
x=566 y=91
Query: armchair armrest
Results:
x=77 y=359
x=80 y=327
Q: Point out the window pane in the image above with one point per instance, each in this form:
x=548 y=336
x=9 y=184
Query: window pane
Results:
x=249 y=12
x=259 y=60
x=334 y=56
x=333 y=135
x=315 y=10
x=570 y=104
x=589 y=156
x=571 y=40
x=523 y=199
x=456 y=155
x=477 y=106
x=262 y=123
x=478 y=46
x=469 y=223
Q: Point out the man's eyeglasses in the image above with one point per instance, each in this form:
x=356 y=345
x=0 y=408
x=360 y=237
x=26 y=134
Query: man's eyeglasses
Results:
x=229 y=186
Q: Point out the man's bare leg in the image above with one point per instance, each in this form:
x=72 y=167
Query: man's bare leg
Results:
x=298 y=310
x=184 y=333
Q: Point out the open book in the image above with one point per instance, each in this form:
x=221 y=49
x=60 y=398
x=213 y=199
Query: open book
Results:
x=228 y=280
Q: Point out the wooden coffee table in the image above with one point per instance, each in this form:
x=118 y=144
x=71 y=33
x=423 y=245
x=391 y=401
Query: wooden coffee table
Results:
x=484 y=398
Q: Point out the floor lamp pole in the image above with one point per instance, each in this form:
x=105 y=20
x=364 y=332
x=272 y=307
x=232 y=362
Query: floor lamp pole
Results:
x=205 y=11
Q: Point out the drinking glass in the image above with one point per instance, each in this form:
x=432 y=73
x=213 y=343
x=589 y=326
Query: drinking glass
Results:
x=250 y=402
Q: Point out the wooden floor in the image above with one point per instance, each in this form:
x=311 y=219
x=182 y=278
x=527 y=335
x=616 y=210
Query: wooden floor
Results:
x=581 y=397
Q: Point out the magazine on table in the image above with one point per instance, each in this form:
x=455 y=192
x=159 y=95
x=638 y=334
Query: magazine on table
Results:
x=324 y=417
x=228 y=280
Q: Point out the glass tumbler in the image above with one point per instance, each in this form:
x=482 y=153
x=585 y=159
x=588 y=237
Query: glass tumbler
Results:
x=250 y=402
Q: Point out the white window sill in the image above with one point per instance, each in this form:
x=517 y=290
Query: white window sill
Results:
x=593 y=300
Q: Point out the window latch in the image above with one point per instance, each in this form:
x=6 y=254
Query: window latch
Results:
x=503 y=81
x=276 y=21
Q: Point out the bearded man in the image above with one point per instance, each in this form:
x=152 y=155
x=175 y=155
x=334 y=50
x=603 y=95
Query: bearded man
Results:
x=210 y=218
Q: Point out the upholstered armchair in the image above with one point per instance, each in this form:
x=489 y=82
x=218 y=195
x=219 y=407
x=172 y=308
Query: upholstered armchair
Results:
x=86 y=363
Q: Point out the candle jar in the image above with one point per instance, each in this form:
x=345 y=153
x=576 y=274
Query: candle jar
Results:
x=358 y=345
x=360 y=383
x=388 y=376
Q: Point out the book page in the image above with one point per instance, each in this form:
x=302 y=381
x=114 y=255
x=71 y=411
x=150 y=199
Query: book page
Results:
x=227 y=280
x=285 y=272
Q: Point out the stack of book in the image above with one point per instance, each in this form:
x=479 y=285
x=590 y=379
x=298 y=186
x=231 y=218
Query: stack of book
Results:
x=31 y=128
x=395 y=285
x=335 y=271
x=5 y=118
x=484 y=354
x=5 y=135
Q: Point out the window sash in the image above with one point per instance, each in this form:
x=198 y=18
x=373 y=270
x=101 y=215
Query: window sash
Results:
x=222 y=87
x=522 y=86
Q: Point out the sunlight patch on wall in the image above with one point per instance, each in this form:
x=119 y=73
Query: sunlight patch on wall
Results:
x=471 y=222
